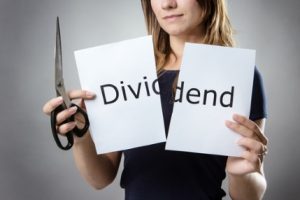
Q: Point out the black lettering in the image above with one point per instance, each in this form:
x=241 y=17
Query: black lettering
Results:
x=146 y=85
x=205 y=96
x=103 y=93
x=110 y=93
x=231 y=98
x=124 y=92
x=181 y=92
x=154 y=88
x=189 y=94
x=137 y=94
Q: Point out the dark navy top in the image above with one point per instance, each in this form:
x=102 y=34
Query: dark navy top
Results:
x=153 y=173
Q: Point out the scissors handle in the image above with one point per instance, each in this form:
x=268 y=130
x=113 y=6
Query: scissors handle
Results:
x=79 y=132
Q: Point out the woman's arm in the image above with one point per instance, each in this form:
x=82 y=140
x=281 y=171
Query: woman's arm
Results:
x=249 y=186
x=98 y=170
x=245 y=174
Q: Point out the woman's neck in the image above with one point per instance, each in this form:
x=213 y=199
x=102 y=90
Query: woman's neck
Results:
x=177 y=46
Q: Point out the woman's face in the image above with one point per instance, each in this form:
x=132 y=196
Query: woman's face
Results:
x=178 y=17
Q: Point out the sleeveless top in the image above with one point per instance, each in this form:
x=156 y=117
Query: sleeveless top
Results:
x=153 y=173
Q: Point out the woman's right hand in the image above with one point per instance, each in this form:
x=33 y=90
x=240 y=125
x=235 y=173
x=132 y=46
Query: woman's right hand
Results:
x=78 y=96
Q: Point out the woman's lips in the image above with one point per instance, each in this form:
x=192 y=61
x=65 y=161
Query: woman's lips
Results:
x=172 y=17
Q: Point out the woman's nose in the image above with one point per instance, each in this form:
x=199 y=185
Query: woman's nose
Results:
x=168 y=4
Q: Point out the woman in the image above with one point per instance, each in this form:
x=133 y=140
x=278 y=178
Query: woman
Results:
x=151 y=172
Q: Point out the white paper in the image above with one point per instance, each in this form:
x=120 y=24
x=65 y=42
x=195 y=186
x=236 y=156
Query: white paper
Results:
x=201 y=128
x=122 y=124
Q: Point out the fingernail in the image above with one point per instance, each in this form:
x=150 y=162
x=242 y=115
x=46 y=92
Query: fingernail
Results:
x=90 y=94
x=73 y=109
x=228 y=123
x=237 y=117
x=59 y=100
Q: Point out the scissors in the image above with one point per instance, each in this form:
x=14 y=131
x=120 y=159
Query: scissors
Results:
x=61 y=91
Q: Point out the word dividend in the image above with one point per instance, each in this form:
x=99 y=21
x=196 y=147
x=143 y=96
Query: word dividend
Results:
x=124 y=92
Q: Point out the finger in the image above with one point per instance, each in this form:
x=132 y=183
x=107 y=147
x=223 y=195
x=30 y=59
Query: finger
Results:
x=80 y=119
x=252 y=126
x=65 y=114
x=238 y=128
x=52 y=104
x=246 y=122
x=251 y=157
x=65 y=128
x=80 y=103
x=252 y=145
x=77 y=94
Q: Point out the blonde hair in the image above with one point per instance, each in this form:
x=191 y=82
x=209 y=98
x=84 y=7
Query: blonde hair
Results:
x=218 y=30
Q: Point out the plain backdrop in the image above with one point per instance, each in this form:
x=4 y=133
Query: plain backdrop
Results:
x=32 y=167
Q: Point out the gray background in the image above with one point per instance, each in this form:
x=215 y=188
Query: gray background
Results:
x=31 y=165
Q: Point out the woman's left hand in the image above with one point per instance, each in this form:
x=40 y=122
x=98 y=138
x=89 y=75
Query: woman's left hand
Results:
x=254 y=142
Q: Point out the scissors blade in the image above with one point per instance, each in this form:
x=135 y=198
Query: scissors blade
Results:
x=58 y=57
x=59 y=82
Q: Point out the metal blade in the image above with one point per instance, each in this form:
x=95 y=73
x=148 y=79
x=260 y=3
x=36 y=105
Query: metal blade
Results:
x=58 y=57
x=59 y=81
